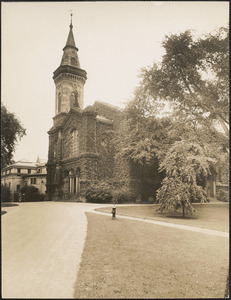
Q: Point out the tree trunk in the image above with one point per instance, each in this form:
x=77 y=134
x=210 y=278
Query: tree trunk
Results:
x=223 y=125
x=183 y=208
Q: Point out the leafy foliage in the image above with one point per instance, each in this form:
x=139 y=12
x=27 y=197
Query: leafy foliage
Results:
x=12 y=131
x=141 y=136
x=29 y=189
x=178 y=104
x=122 y=195
x=108 y=192
x=183 y=164
x=31 y=193
x=5 y=193
x=223 y=195
x=99 y=192
x=193 y=77
x=16 y=196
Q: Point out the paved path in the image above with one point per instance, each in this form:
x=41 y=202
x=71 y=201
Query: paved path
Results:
x=42 y=245
x=178 y=226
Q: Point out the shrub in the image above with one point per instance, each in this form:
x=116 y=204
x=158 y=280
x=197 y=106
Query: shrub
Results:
x=122 y=195
x=5 y=193
x=41 y=197
x=16 y=196
x=223 y=195
x=99 y=192
x=30 y=193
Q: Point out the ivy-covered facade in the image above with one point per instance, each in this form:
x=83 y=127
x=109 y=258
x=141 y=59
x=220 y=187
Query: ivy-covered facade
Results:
x=81 y=148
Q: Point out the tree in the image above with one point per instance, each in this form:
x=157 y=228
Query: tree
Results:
x=184 y=163
x=141 y=135
x=5 y=193
x=193 y=77
x=192 y=83
x=12 y=132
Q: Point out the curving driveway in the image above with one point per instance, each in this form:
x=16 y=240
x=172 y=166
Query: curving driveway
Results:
x=42 y=245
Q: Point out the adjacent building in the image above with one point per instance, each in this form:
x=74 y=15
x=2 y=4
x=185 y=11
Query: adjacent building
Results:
x=24 y=172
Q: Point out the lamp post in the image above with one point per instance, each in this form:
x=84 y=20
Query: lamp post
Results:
x=114 y=212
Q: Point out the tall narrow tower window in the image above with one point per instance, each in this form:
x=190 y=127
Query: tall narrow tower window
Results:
x=75 y=143
x=59 y=102
x=76 y=103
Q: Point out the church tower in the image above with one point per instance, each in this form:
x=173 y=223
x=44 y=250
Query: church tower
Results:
x=80 y=141
x=69 y=78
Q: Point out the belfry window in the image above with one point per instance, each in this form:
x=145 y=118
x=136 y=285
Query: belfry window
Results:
x=74 y=143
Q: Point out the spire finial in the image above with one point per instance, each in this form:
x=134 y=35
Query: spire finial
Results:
x=71 y=18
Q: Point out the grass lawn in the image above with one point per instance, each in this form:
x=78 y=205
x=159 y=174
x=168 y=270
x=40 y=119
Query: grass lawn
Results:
x=130 y=259
x=211 y=216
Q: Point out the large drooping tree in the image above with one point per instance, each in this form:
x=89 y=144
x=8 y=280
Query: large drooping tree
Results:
x=11 y=132
x=183 y=164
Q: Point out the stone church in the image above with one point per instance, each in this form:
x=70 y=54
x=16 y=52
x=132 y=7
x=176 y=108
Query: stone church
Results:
x=80 y=141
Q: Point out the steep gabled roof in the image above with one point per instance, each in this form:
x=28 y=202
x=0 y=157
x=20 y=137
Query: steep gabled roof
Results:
x=105 y=104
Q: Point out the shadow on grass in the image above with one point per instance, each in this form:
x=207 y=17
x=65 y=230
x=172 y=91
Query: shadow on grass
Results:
x=9 y=204
x=181 y=217
x=3 y=212
x=172 y=214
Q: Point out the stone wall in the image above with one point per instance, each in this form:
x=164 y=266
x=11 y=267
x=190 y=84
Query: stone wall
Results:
x=95 y=159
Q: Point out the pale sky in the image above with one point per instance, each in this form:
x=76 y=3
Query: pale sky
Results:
x=115 y=40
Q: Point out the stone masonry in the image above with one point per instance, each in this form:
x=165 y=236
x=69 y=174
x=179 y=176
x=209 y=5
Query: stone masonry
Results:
x=80 y=141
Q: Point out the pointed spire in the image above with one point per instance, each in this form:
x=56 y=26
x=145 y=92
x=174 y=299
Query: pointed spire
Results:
x=70 y=51
x=70 y=40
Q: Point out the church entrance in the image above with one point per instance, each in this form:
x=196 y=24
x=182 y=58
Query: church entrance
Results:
x=75 y=185
x=74 y=182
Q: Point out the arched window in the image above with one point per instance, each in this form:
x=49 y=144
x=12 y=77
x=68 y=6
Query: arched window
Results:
x=55 y=148
x=74 y=143
x=76 y=102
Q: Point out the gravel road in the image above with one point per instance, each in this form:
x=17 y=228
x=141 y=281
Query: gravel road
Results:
x=42 y=245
